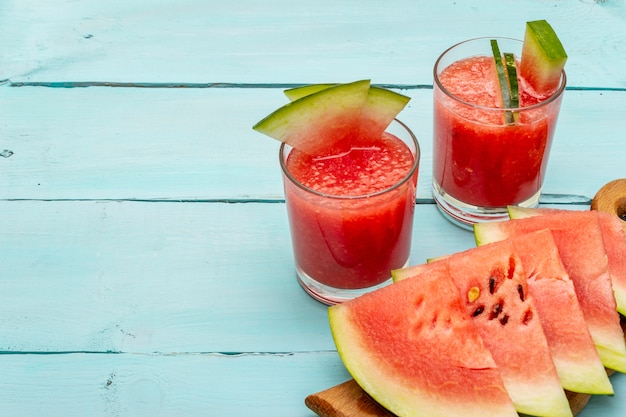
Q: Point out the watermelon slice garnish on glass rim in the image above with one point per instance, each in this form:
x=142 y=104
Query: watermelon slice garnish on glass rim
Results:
x=381 y=107
x=320 y=116
x=319 y=120
x=543 y=58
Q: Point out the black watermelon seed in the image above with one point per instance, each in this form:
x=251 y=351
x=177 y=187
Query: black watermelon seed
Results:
x=478 y=311
x=492 y=285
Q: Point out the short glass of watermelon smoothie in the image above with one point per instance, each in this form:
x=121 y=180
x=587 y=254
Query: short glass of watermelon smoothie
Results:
x=351 y=213
x=486 y=157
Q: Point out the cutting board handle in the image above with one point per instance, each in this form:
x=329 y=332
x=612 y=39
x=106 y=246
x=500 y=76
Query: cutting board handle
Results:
x=611 y=198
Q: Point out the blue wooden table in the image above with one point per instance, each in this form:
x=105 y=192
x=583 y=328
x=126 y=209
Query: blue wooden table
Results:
x=145 y=261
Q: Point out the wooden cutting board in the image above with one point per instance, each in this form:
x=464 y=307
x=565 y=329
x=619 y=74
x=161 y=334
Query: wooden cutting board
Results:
x=349 y=400
x=611 y=198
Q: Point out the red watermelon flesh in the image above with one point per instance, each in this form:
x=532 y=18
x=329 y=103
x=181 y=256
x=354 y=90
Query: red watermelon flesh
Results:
x=575 y=356
x=581 y=249
x=614 y=245
x=492 y=282
x=412 y=347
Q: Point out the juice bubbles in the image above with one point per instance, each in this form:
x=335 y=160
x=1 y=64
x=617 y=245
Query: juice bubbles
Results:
x=351 y=213
x=483 y=162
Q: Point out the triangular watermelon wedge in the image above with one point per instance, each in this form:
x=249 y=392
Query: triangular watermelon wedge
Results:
x=575 y=357
x=413 y=348
x=381 y=108
x=581 y=249
x=320 y=120
x=492 y=281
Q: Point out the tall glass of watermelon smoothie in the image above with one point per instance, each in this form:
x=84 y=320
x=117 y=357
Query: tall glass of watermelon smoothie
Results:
x=351 y=213
x=487 y=157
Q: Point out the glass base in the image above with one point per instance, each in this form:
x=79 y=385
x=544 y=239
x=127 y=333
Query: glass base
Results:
x=331 y=295
x=466 y=215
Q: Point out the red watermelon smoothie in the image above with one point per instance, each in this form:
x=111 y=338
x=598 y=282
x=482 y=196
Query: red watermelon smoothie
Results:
x=483 y=162
x=351 y=213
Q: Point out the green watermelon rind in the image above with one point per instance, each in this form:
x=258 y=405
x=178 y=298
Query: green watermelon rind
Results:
x=516 y=212
x=376 y=94
x=505 y=90
x=400 y=274
x=511 y=71
x=488 y=232
x=296 y=93
x=551 y=47
x=364 y=368
x=383 y=106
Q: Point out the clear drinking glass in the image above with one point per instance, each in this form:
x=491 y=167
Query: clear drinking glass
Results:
x=487 y=158
x=346 y=245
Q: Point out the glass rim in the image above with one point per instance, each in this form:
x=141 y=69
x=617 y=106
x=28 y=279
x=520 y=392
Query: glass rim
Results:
x=407 y=177
x=555 y=96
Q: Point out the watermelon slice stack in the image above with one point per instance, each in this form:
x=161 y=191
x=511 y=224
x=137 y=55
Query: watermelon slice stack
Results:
x=540 y=290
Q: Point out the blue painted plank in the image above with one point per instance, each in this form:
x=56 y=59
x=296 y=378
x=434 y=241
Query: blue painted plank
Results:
x=171 y=41
x=165 y=277
x=173 y=385
x=187 y=385
x=195 y=144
